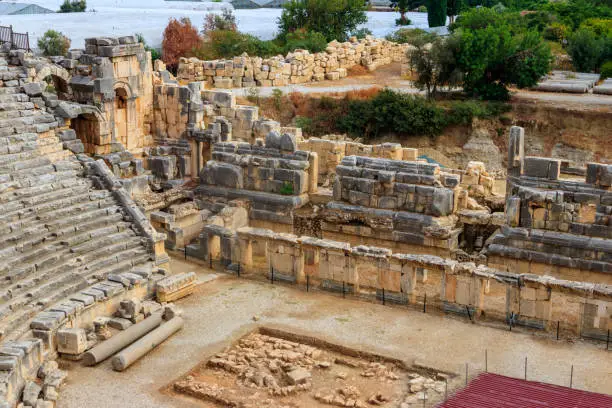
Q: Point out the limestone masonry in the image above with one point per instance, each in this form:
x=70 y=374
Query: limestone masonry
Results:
x=297 y=67
x=107 y=160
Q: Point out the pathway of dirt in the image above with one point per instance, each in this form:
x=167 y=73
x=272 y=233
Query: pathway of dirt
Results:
x=389 y=76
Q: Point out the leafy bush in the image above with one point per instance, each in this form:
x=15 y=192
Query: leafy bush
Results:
x=573 y=12
x=422 y=9
x=556 y=32
x=335 y=19
x=402 y=6
x=405 y=22
x=435 y=64
x=224 y=22
x=180 y=38
x=589 y=50
x=306 y=40
x=228 y=44
x=606 y=70
x=391 y=111
x=493 y=54
x=74 y=6
x=53 y=43
x=600 y=26
x=411 y=36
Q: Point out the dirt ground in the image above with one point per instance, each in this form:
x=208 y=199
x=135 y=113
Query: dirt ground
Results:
x=226 y=308
x=389 y=76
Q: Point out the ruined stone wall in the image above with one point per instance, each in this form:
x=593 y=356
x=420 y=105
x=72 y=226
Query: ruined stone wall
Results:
x=297 y=67
x=555 y=225
x=534 y=301
x=274 y=175
x=331 y=152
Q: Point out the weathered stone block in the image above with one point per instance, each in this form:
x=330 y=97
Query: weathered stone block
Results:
x=71 y=341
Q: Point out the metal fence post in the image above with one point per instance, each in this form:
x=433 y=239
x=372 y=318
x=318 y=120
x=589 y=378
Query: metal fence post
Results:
x=425 y=303
x=525 y=368
x=466 y=374
x=343 y=292
x=307 y=283
x=572 y=376
x=486 y=361
x=608 y=340
x=383 y=295
x=558 y=323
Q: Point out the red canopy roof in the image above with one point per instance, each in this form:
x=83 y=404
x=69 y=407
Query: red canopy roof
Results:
x=496 y=391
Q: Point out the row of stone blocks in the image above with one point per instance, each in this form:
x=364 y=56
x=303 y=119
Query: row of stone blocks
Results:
x=394 y=185
x=297 y=67
x=531 y=298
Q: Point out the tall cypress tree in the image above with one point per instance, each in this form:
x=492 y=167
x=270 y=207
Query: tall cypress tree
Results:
x=436 y=13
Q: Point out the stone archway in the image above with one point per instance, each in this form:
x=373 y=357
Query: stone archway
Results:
x=125 y=122
x=91 y=128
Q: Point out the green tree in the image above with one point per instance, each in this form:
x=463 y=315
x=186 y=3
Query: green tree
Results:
x=493 y=55
x=402 y=7
x=435 y=63
x=588 y=49
x=74 y=6
x=453 y=8
x=335 y=19
x=436 y=13
x=53 y=43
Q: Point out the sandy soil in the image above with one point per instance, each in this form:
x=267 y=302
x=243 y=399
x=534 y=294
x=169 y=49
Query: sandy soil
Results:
x=223 y=310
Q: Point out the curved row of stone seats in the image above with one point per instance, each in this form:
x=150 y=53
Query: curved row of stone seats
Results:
x=59 y=232
x=21 y=360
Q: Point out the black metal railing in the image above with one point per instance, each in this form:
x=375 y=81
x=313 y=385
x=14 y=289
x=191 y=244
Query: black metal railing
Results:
x=18 y=41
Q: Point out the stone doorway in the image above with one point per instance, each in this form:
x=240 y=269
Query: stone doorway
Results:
x=87 y=128
x=121 y=116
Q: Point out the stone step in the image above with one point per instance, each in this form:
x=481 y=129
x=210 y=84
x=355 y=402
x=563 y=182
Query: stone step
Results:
x=37 y=165
x=90 y=216
x=55 y=196
x=10 y=90
x=13 y=106
x=67 y=259
x=88 y=225
x=14 y=97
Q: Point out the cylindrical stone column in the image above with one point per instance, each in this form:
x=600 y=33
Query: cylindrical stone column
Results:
x=147 y=343
x=121 y=340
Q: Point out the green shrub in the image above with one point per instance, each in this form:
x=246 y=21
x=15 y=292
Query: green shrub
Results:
x=403 y=22
x=391 y=111
x=556 y=32
x=411 y=36
x=74 y=6
x=306 y=40
x=600 y=26
x=606 y=70
x=224 y=22
x=335 y=19
x=53 y=43
x=286 y=188
x=588 y=50
x=228 y=44
x=422 y=9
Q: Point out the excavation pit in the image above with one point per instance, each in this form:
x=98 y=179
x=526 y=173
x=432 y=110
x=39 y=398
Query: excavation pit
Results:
x=273 y=368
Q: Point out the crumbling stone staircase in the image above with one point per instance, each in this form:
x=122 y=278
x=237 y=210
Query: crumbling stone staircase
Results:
x=64 y=227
